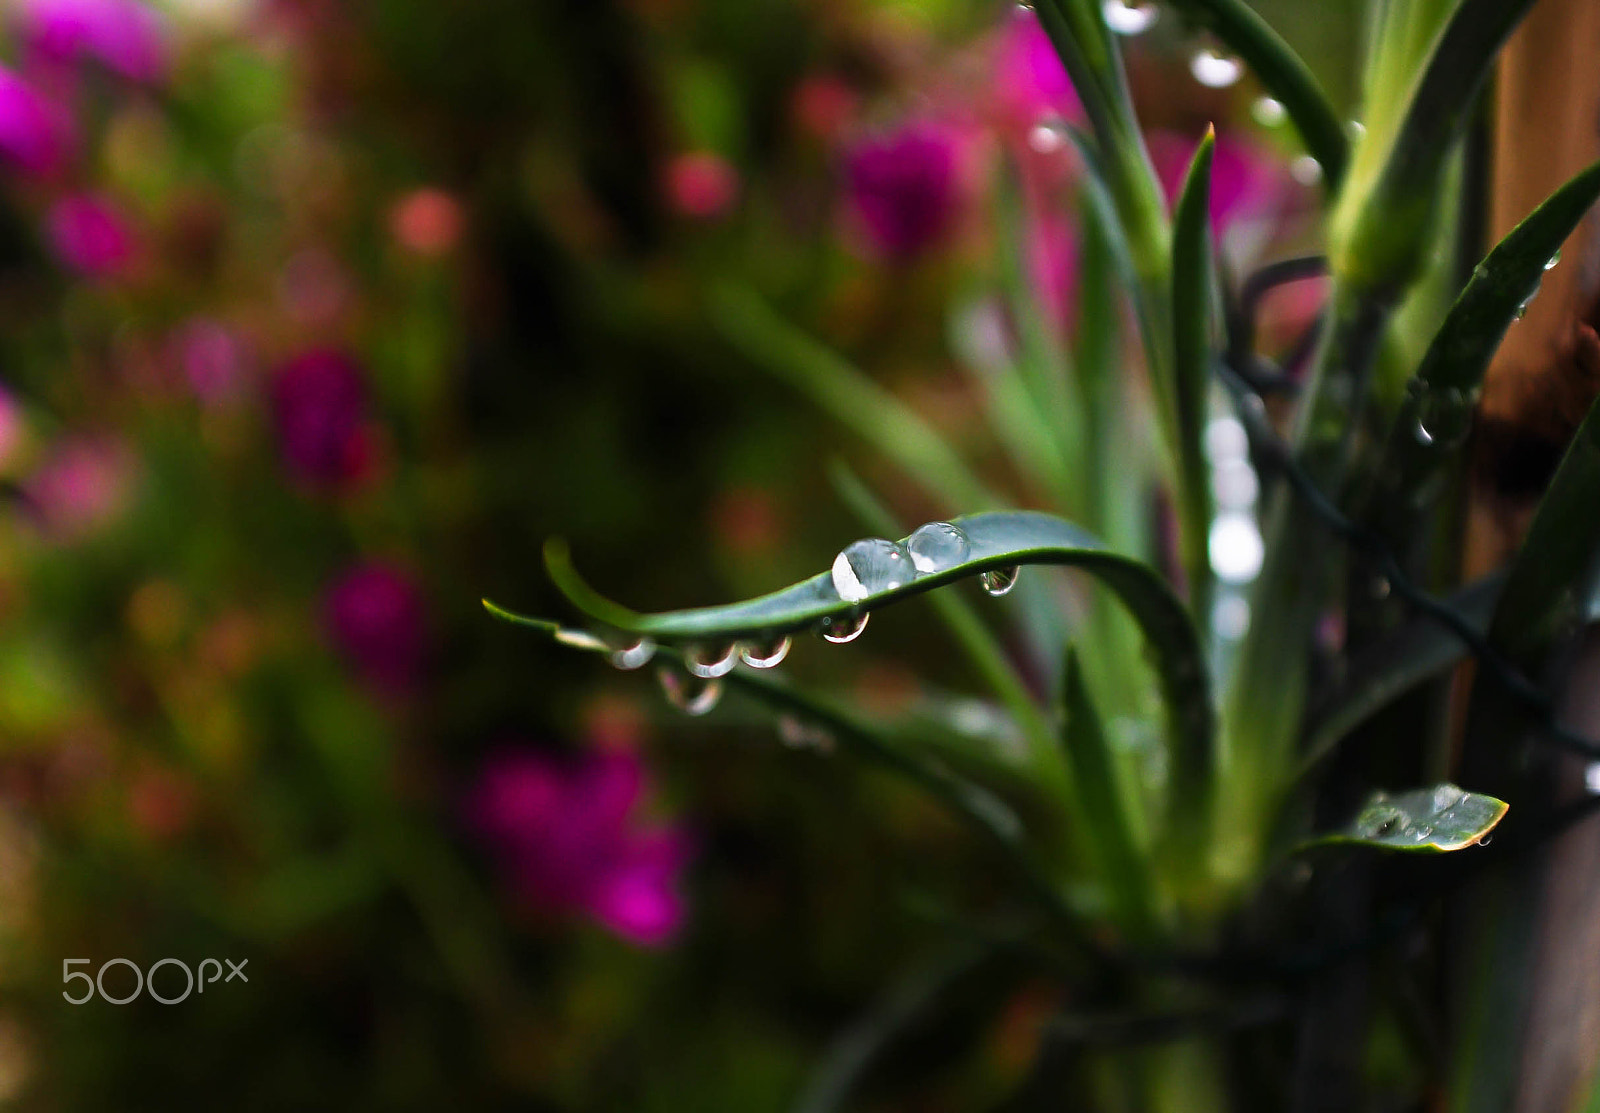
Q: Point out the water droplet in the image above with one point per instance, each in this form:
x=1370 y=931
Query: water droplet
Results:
x=1048 y=136
x=1485 y=841
x=1306 y=170
x=1130 y=19
x=634 y=655
x=937 y=546
x=1522 y=308
x=1235 y=547
x=1380 y=820
x=1269 y=112
x=869 y=567
x=1226 y=440
x=801 y=735
x=1591 y=778
x=1217 y=71
x=767 y=654
x=1230 y=617
x=692 y=695
x=711 y=661
x=1444 y=417
x=842 y=628
x=1235 y=485
x=1553 y=261
x=998 y=581
x=1358 y=130
x=1446 y=796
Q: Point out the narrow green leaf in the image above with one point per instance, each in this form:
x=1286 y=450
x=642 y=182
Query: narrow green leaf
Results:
x=1423 y=821
x=995 y=541
x=1284 y=75
x=1192 y=290
x=852 y=398
x=1418 y=651
x=1382 y=237
x=1120 y=864
x=1433 y=421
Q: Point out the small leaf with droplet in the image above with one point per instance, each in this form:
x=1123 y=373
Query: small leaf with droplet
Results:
x=1425 y=820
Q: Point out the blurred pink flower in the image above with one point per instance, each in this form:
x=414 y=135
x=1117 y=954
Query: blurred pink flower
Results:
x=568 y=837
x=904 y=189
x=89 y=235
x=82 y=485
x=377 y=618
x=319 y=404
x=426 y=222
x=127 y=37
x=212 y=358
x=700 y=184
x=823 y=105
x=1053 y=257
x=1246 y=183
x=13 y=427
x=1031 y=84
x=35 y=132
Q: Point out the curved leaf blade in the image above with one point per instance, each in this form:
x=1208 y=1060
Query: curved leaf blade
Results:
x=996 y=540
x=1434 y=820
x=1192 y=290
x=1284 y=75
x=1454 y=365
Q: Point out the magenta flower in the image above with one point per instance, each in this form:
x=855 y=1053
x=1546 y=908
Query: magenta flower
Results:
x=700 y=184
x=125 y=36
x=377 y=619
x=35 y=132
x=212 y=358
x=567 y=834
x=1246 y=183
x=904 y=189
x=1031 y=85
x=82 y=485
x=89 y=235
x=319 y=403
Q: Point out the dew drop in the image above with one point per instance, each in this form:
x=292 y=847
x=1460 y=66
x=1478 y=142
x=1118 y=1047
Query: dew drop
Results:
x=1235 y=547
x=1522 y=308
x=937 y=546
x=1306 y=170
x=1216 y=71
x=767 y=654
x=1485 y=841
x=1358 y=130
x=1444 y=417
x=1226 y=440
x=1591 y=778
x=869 y=567
x=1230 y=618
x=1553 y=261
x=1446 y=796
x=842 y=628
x=711 y=661
x=1235 y=485
x=999 y=581
x=633 y=655
x=691 y=695
x=1048 y=136
x=1130 y=19
x=1269 y=112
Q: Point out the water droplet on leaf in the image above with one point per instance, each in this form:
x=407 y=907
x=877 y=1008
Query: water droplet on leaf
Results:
x=689 y=694
x=1130 y=19
x=1048 y=136
x=634 y=655
x=711 y=661
x=765 y=655
x=937 y=546
x=1551 y=263
x=1444 y=417
x=1269 y=112
x=1235 y=547
x=842 y=628
x=870 y=567
x=1216 y=71
x=998 y=581
x=1306 y=170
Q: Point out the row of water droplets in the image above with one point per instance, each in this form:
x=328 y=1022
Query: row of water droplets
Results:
x=871 y=566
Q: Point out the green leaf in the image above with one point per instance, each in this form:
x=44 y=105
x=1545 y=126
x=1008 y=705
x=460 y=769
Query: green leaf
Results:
x=1284 y=75
x=1122 y=867
x=996 y=540
x=1382 y=236
x=1433 y=421
x=1423 y=821
x=1417 y=651
x=1192 y=290
x=852 y=398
